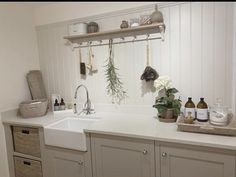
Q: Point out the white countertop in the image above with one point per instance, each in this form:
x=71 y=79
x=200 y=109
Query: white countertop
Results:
x=149 y=127
x=130 y=125
x=11 y=117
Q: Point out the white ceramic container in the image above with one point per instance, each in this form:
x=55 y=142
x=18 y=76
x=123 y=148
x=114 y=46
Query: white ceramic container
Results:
x=77 y=29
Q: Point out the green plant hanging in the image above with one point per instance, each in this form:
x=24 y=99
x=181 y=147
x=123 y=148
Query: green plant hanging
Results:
x=115 y=86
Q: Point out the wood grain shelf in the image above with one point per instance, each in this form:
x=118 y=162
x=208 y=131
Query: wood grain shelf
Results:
x=117 y=33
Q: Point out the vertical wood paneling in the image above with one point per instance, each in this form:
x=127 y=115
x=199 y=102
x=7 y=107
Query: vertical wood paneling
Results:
x=55 y=58
x=185 y=49
x=165 y=46
x=61 y=63
x=196 y=50
x=196 y=54
x=229 y=53
x=219 y=47
x=49 y=59
x=174 y=45
x=208 y=51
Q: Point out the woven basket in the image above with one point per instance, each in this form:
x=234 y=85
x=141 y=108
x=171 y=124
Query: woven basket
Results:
x=26 y=140
x=27 y=167
x=33 y=108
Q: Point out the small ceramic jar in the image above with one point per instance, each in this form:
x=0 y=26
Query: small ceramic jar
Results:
x=92 y=27
x=156 y=16
x=189 y=119
x=124 y=24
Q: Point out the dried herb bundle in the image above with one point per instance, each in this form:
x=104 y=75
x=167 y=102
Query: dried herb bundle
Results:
x=115 y=86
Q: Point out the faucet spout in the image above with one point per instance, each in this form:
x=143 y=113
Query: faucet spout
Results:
x=87 y=104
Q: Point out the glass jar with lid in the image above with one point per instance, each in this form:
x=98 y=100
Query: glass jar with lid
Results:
x=219 y=113
x=134 y=22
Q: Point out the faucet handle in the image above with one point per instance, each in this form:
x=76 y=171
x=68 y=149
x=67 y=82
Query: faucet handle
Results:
x=75 y=108
x=92 y=106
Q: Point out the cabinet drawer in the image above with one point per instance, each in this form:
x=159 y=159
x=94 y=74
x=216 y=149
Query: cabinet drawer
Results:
x=27 y=167
x=26 y=140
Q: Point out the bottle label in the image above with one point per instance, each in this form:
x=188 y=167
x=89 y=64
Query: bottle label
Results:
x=192 y=110
x=202 y=114
x=62 y=107
x=56 y=108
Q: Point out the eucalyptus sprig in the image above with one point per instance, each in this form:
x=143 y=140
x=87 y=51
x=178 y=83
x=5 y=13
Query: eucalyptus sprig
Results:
x=115 y=86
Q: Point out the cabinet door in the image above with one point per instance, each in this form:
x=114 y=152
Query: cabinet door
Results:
x=177 y=162
x=63 y=164
x=121 y=157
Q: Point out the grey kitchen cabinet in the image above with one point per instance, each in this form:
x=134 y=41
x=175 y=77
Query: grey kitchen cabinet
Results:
x=181 y=162
x=66 y=163
x=122 y=157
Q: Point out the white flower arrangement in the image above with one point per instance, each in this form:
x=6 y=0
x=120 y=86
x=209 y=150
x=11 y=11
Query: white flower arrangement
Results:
x=166 y=96
x=163 y=82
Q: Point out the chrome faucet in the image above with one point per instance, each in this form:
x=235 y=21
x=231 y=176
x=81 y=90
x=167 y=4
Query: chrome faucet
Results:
x=87 y=104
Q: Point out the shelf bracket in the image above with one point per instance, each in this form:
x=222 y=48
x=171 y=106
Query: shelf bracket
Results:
x=162 y=30
x=71 y=45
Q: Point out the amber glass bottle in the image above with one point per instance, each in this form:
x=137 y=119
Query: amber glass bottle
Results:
x=62 y=105
x=56 y=105
x=202 y=111
x=190 y=107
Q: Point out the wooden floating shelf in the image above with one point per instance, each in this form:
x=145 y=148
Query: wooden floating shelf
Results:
x=118 y=33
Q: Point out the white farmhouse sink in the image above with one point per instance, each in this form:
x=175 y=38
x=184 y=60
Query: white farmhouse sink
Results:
x=68 y=133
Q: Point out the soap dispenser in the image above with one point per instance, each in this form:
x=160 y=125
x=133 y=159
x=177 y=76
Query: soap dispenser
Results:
x=56 y=105
x=62 y=105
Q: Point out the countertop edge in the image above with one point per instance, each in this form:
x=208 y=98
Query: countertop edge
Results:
x=162 y=139
x=10 y=118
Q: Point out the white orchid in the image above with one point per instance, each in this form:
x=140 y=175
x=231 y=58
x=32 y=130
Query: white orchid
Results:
x=162 y=82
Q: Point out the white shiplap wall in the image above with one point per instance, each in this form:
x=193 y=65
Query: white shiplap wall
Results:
x=196 y=54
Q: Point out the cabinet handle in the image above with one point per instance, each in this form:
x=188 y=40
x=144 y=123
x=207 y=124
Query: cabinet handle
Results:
x=145 y=151
x=81 y=163
x=26 y=163
x=164 y=154
x=25 y=131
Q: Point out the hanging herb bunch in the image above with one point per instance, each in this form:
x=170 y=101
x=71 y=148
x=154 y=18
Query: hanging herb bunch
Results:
x=115 y=86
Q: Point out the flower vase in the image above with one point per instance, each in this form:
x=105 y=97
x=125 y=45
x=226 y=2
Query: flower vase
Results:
x=167 y=116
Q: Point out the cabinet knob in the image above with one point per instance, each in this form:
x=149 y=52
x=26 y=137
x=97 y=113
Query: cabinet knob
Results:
x=81 y=163
x=145 y=151
x=164 y=154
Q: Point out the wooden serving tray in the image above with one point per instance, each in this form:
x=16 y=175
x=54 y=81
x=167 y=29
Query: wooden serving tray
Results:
x=206 y=127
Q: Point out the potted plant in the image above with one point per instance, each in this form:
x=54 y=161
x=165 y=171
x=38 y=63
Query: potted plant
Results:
x=167 y=105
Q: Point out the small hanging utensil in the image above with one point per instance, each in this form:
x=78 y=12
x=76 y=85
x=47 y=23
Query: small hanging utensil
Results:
x=82 y=64
x=91 y=60
x=149 y=73
x=91 y=66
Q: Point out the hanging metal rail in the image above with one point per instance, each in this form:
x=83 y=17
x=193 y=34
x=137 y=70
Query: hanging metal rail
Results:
x=115 y=43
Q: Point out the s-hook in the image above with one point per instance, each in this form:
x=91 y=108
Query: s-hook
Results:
x=162 y=29
x=134 y=38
